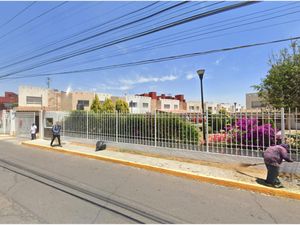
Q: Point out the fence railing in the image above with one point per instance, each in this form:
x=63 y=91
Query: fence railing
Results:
x=245 y=134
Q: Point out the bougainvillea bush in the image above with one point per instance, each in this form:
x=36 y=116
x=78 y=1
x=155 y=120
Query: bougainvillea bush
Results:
x=247 y=132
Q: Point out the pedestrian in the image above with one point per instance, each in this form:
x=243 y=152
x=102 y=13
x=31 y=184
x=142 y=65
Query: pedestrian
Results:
x=273 y=157
x=56 y=134
x=33 y=129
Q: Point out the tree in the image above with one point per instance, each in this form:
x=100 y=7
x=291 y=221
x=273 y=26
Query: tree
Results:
x=108 y=106
x=281 y=86
x=96 y=106
x=122 y=106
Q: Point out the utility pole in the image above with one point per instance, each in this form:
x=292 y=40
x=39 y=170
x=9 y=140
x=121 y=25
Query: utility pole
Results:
x=48 y=82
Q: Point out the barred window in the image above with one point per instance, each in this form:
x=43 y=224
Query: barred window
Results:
x=33 y=100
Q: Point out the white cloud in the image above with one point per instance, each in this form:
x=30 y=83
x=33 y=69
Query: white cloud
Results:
x=141 y=79
x=69 y=89
x=118 y=87
x=191 y=76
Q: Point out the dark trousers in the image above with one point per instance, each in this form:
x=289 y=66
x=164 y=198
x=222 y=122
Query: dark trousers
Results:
x=33 y=136
x=272 y=177
x=55 y=136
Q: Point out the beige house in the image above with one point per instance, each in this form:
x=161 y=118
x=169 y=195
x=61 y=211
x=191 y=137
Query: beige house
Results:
x=138 y=104
x=253 y=101
x=36 y=99
x=194 y=106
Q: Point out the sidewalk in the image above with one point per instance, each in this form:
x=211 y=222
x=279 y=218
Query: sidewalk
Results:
x=226 y=173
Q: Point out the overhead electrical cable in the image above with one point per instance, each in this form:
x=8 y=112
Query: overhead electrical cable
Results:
x=68 y=37
x=154 y=30
x=158 y=60
x=182 y=38
x=33 y=19
x=17 y=15
x=98 y=34
x=172 y=44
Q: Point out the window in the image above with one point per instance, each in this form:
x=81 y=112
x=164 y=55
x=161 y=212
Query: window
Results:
x=49 y=122
x=145 y=105
x=257 y=104
x=132 y=104
x=167 y=106
x=83 y=102
x=33 y=100
x=197 y=108
x=191 y=107
x=175 y=106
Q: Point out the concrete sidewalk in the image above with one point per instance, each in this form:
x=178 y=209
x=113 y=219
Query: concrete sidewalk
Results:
x=226 y=174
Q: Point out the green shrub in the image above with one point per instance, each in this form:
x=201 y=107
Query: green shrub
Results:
x=169 y=127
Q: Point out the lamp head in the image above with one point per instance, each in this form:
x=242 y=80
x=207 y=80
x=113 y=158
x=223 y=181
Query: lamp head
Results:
x=200 y=73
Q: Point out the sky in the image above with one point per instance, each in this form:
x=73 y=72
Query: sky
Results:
x=229 y=75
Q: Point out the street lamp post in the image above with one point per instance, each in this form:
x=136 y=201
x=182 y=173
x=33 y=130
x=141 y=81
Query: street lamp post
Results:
x=201 y=74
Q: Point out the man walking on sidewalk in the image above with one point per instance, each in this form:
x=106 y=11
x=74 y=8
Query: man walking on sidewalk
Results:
x=56 y=134
x=273 y=157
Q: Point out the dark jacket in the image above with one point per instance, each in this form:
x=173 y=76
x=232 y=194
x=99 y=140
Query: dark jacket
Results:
x=275 y=154
x=56 y=130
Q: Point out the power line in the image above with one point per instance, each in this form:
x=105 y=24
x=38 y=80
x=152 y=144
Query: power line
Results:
x=33 y=19
x=158 y=60
x=101 y=33
x=154 y=30
x=68 y=37
x=182 y=39
x=17 y=15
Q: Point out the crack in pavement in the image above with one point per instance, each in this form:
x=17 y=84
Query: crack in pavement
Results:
x=96 y=217
x=15 y=182
x=262 y=208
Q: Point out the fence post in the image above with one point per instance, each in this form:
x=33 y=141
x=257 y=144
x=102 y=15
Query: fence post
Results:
x=41 y=124
x=117 y=125
x=155 y=129
x=282 y=126
x=4 y=121
x=11 y=122
x=63 y=120
x=206 y=131
x=87 y=125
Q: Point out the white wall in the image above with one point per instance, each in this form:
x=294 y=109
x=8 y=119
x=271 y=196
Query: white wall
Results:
x=171 y=102
x=25 y=91
x=139 y=100
x=194 y=106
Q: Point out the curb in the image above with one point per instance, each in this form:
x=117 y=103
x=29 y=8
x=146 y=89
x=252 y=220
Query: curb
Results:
x=177 y=173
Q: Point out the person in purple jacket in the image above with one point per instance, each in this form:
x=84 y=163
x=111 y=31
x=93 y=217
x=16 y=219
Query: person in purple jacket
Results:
x=273 y=157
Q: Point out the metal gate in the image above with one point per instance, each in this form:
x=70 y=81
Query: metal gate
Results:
x=5 y=122
x=23 y=123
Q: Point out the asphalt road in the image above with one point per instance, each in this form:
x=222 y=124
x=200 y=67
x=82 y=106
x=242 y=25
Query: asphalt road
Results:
x=48 y=187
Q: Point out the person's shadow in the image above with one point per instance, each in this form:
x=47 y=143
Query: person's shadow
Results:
x=257 y=179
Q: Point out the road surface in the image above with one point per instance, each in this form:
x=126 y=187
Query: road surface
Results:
x=49 y=187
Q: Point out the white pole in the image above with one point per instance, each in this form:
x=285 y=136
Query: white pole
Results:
x=116 y=115
x=41 y=125
x=87 y=125
x=282 y=126
x=155 y=129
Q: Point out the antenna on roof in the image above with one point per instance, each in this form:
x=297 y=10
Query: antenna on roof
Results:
x=48 y=82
